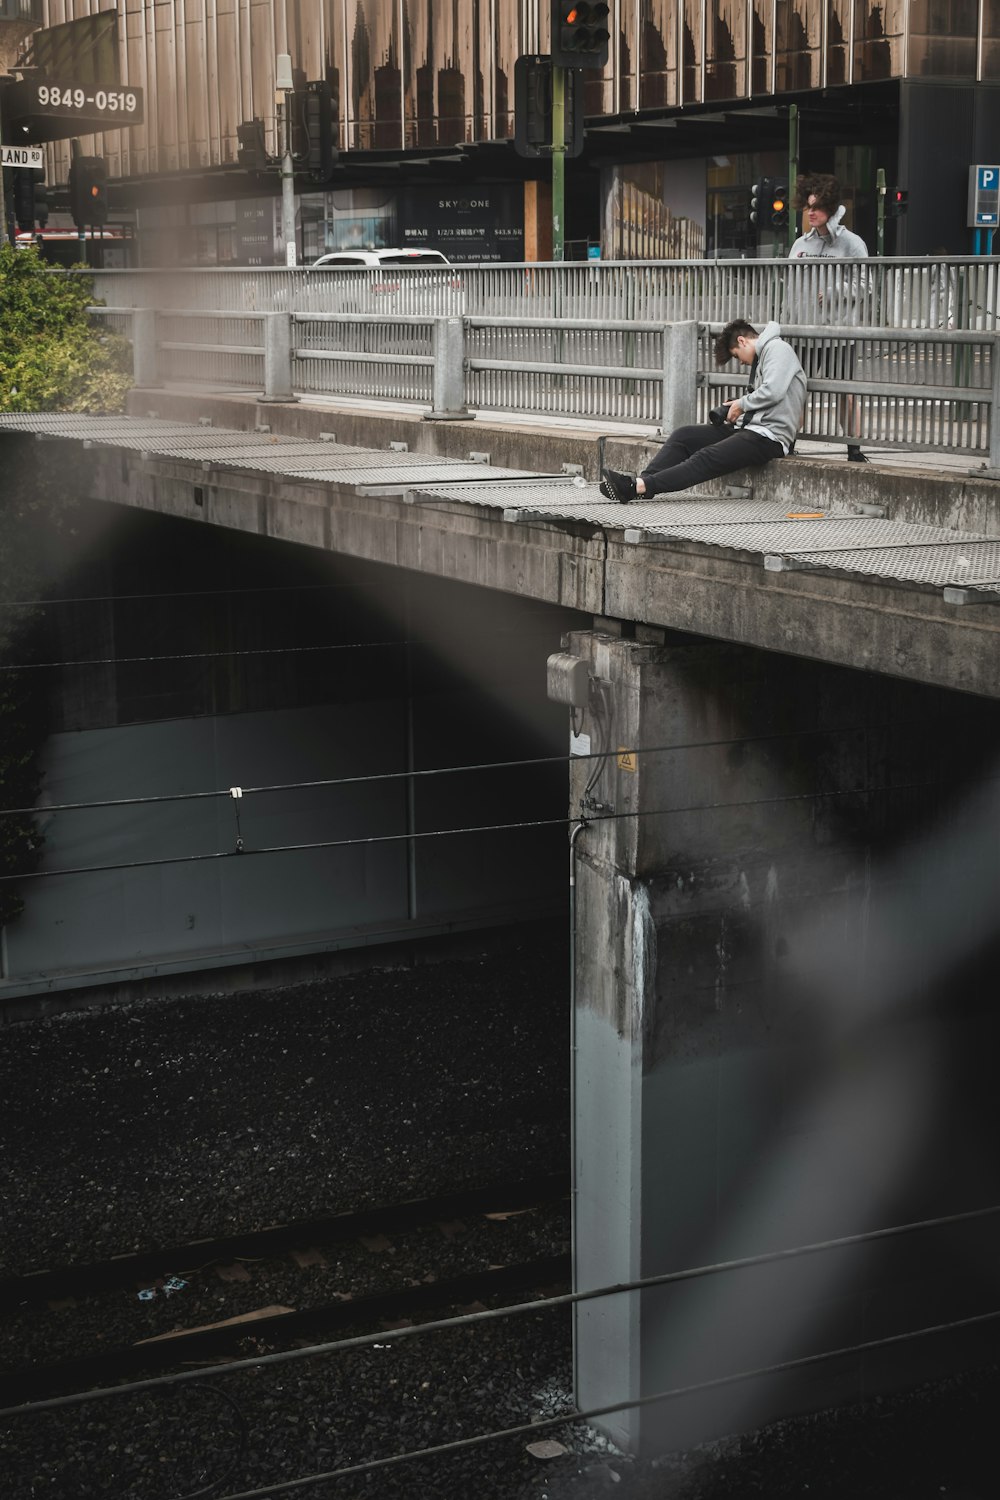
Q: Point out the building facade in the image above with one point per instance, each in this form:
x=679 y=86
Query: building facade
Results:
x=692 y=106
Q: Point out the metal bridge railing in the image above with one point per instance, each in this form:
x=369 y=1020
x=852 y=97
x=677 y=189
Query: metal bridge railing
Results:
x=915 y=388
x=954 y=293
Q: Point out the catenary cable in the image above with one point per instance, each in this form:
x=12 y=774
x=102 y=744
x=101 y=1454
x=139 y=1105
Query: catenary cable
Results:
x=331 y=781
x=273 y=588
x=128 y=661
x=440 y=833
x=588 y=1414
x=516 y=1309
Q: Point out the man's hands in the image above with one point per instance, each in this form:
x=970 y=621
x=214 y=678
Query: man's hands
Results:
x=735 y=410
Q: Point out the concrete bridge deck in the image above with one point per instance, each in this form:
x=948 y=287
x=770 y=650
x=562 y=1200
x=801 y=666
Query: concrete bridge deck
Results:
x=892 y=567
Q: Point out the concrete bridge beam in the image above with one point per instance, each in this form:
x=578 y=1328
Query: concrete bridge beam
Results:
x=785 y=916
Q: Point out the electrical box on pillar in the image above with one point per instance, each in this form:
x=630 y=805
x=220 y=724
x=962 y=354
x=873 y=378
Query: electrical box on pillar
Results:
x=568 y=679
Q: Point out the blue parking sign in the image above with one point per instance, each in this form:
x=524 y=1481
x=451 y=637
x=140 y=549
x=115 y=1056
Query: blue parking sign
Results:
x=984 y=197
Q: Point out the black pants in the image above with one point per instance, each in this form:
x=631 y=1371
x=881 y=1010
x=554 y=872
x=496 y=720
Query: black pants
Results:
x=693 y=454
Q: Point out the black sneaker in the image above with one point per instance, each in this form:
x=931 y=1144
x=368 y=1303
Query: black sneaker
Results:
x=855 y=456
x=618 y=487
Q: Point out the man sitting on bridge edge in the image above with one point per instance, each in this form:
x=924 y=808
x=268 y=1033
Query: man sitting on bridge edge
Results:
x=760 y=425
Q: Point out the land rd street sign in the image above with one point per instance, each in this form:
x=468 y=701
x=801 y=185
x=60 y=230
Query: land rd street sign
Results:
x=32 y=157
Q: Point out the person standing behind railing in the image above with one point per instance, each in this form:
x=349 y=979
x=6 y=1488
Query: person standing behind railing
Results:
x=819 y=195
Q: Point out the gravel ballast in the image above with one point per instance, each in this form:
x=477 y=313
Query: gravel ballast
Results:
x=155 y=1122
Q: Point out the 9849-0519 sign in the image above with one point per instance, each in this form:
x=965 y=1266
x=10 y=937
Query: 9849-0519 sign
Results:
x=51 y=109
x=74 y=99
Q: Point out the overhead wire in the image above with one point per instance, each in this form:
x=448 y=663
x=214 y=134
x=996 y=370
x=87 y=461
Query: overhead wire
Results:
x=125 y=661
x=518 y=1309
x=275 y=588
x=588 y=1414
x=373 y=776
x=243 y=851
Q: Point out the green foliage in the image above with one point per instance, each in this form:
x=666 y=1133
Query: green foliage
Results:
x=52 y=357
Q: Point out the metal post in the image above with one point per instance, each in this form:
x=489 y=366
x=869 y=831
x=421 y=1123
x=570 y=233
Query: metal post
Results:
x=278 y=357
x=880 y=209
x=558 y=162
x=449 y=372
x=995 y=407
x=680 y=361
x=288 y=185
x=145 y=354
x=793 y=170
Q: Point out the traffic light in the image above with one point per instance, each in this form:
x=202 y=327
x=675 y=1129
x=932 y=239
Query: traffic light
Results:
x=88 y=191
x=252 y=152
x=314 y=115
x=580 y=34
x=779 y=206
x=41 y=200
x=897 y=201
x=761 y=198
x=24 y=198
x=533 y=109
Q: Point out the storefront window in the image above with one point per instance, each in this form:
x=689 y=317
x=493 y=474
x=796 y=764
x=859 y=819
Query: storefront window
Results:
x=797 y=44
x=655 y=211
x=879 y=38
x=657 y=56
x=838 y=38
x=726 y=49
x=761 y=41
x=991 y=39
x=943 y=38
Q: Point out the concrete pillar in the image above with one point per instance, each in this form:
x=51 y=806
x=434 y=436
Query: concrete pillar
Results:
x=680 y=362
x=449 y=372
x=278 y=357
x=145 y=352
x=783 y=1023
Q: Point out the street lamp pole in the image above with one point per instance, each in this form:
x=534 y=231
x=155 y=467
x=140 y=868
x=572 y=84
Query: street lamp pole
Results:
x=283 y=91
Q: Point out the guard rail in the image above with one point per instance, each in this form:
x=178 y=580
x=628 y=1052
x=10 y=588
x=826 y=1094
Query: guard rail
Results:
x=918 y=389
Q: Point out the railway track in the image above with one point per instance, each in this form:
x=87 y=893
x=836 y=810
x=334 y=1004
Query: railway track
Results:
x=400 y=1237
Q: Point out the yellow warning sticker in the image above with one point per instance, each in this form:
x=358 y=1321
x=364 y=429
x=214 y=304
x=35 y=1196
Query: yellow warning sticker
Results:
x=805 y=515
x=626 y=759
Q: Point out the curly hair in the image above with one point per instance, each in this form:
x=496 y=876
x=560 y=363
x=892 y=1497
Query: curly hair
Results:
x=825 y=188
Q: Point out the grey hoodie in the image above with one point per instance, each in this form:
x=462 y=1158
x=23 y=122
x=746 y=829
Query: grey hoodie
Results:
x=777 y=391
x=838 y=242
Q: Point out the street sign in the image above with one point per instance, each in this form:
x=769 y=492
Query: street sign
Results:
x=984 y=197
x=49 y=109
x=32 y=157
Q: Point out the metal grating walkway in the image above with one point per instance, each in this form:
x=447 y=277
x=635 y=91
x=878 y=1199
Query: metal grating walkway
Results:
x=966 y=565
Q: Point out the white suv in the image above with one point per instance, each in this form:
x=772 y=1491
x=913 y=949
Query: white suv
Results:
x=382 y=258
x=401 y=281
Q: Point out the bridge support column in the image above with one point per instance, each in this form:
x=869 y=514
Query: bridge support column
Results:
x=449 y=372
x=785 y=932
x=680 y=361
x=277 y=358
x=145 y=350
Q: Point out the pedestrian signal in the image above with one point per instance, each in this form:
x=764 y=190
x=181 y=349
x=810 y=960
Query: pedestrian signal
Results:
x=897 y=201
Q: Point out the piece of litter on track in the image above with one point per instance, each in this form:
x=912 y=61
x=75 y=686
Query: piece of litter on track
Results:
x=546 y=1448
